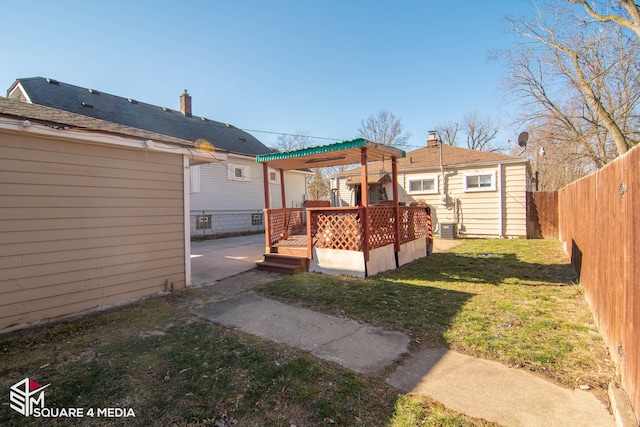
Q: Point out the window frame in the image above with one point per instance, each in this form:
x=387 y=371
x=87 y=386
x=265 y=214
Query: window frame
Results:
x=276 y=174
x=480 y=188
x=234 y=168
x=422 y=179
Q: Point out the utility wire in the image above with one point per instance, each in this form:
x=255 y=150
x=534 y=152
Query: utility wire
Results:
x=293 y=134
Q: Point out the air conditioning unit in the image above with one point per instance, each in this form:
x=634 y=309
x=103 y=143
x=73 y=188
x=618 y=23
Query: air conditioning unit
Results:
x=448 y=230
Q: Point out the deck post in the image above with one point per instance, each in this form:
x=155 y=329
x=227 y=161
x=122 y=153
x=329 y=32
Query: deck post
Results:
x=364 y=189
x=396 y=209
x=309 y=236
x=267 y=233
x=364 y=195
x=284 y=199
x=265 y=180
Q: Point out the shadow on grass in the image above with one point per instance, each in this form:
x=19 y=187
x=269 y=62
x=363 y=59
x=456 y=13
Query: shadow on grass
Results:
x=423 y=311
x=486 y=268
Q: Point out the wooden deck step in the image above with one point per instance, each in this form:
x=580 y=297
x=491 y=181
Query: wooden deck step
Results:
x=295 y=251
x=283 y=264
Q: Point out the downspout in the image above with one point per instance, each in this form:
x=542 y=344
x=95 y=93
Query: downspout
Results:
x=500 y=203
x=444 y=192
x=186 y=184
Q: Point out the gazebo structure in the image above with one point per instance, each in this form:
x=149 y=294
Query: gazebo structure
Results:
x=360 y=240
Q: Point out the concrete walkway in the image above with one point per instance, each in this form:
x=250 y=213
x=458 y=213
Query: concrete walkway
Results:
x=355 y=346
x=216 y=259
x=497 y=393
x=476 y=387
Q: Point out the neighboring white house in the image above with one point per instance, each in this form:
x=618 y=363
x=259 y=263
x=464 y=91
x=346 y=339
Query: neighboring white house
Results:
x=92 y=213
x=473 y=193
x=235 y=202
x=227 y=196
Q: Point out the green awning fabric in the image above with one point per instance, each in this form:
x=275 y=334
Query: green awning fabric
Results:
x=340 y=153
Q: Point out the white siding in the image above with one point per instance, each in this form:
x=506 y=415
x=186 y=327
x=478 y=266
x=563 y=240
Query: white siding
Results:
x=515 y=203
x=219 y=193
x=85 y=226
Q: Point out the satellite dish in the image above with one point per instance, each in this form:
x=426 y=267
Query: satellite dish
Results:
x=522 y=139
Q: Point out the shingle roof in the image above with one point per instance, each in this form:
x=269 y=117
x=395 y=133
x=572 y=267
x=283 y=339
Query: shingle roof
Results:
x=136 y=114
x=59 y=118
x=429 y=157
x=451 y=155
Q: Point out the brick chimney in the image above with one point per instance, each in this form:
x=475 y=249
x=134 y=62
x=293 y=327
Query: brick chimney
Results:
x=185 y=104
x=433 y=140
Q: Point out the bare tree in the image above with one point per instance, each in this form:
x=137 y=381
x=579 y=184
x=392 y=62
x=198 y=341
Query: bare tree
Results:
x=448 y=132
x=556 y=155
x=480 y=131
x=571 y=71
x=318 y=184
x=384 y=127
x=297 y=141
x=625 y=13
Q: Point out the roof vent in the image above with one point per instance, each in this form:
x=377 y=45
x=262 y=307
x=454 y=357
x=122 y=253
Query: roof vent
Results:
x=93 y=91
x=204 y=119
x=243 y=139
x=53 y=82
x=132 y=101
x=89 y=106
x=165 y=109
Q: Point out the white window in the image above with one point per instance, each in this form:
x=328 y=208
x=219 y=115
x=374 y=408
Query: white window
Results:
x=195 y=178
x=423 y=185
x=274 y=176
x=238 y=173
x=480 y=182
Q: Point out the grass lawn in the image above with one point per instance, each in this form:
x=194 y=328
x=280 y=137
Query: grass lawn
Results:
x=512 y=301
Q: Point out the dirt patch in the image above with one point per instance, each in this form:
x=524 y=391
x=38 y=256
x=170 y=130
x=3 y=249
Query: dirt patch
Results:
x=223 y=289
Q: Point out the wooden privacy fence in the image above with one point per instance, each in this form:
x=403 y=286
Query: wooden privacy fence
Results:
x=599 y=225
x=542 y=215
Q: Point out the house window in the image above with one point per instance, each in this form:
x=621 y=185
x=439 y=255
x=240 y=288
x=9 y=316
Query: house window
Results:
x=427 y=185
x=256 y=219
x=203 y=222
x=483 y=182
x=274 y=176
x=238 y=173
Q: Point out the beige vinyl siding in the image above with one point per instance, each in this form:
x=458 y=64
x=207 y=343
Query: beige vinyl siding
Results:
x=85 y=226
x=479 y=211
x=515 y=201
x=345 y=193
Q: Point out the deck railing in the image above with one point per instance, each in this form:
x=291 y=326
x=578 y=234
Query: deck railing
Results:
x=335 y=228
x=279 y=222
x=343 y=228
x=415 y=223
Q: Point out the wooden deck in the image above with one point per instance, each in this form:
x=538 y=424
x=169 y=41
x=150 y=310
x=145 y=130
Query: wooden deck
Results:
x=295 y=240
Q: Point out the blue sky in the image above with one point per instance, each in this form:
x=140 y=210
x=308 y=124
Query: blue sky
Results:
x=278 y=66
